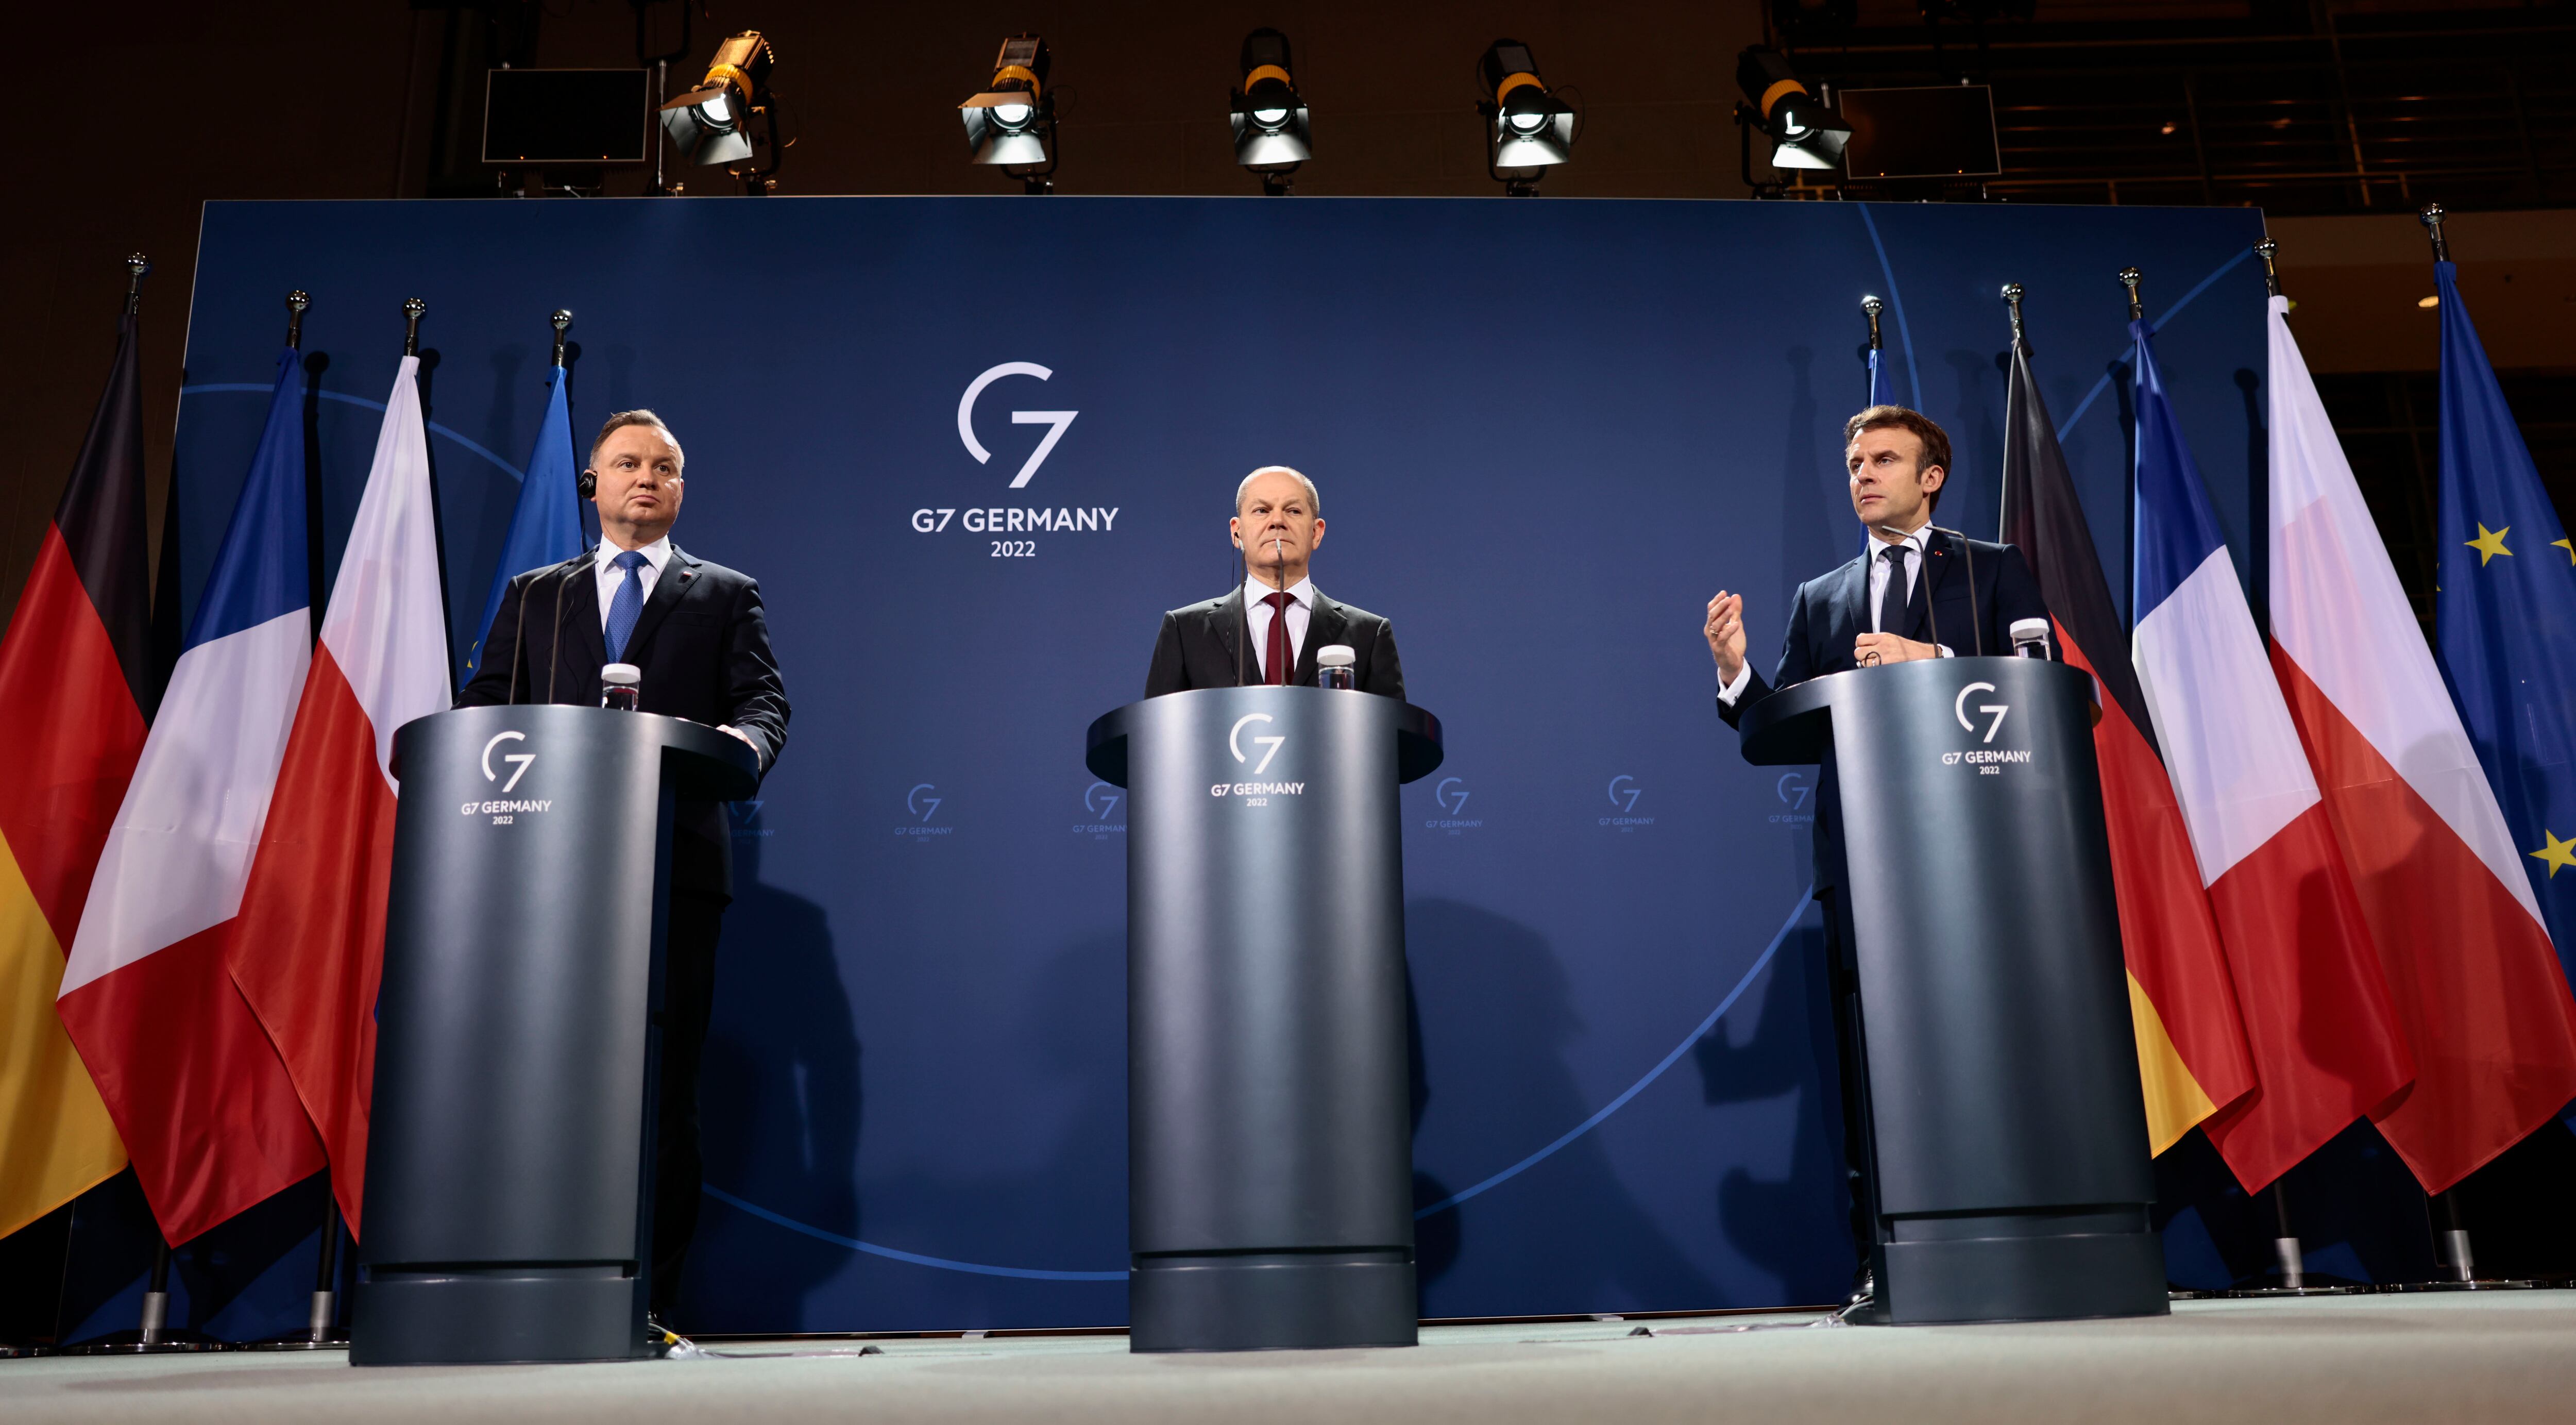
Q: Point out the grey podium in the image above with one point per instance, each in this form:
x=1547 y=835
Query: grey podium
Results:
x=508 y=1197
x=2006 y=1123
x=1270 y=1164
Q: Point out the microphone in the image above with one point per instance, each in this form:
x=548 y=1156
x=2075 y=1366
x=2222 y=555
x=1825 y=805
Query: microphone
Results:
x=554 y=648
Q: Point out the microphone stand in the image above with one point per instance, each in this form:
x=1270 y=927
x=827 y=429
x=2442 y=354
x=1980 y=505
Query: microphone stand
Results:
x=1287 y=646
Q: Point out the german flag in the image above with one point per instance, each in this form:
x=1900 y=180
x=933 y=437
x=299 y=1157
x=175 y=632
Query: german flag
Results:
x=76 y=693
x=2192 y=1053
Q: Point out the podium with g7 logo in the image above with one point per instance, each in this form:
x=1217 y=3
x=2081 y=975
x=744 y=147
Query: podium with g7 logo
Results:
x=2007 y=1127
x=1269 y=1124
x=508 y=1212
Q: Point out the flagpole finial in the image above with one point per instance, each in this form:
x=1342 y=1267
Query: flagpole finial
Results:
x=1873 y=306
x=412 y=308
x=137 y=267
x=562 y=319
x=2012 y=298
x=296 y=302
x=2129 y=278
x=2432 y=217
x=2266 y=250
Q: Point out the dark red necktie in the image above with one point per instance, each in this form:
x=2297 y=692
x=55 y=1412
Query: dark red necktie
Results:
x=1274 y=664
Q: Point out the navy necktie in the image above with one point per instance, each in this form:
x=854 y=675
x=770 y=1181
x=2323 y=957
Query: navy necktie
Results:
x=1895 y=600
x=627 y=605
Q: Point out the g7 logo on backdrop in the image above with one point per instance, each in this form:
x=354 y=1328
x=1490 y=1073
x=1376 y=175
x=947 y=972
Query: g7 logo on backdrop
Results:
x=1056 y=421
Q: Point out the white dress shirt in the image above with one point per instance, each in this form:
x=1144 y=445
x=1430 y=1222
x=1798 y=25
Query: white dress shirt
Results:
x=604 y=566
x=1301 y=609
x=1912 y=544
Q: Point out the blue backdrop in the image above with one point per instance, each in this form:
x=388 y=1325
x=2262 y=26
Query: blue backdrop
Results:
x=1545 y=432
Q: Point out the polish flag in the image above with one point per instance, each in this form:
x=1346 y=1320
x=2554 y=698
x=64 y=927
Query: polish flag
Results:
x=2469 y=962
x=311 y=946
x=206 y=1110
x=2327 y=1043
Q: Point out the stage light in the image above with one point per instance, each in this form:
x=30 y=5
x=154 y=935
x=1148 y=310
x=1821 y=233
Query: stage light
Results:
x=1269 y=118
x=712 y=123
x=1803 y=132
x=1011 y=125
x=1532 y=128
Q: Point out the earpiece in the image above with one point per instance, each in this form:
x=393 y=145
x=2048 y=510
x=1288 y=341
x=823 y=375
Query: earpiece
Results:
x=588 y=484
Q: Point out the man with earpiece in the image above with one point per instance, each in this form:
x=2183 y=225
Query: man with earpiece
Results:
x=1271 y=627
x=1917 y=591
x=696 y=632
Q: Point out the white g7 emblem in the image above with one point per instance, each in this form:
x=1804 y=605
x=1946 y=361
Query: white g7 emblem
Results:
x=1959 y=705
x=521 y=758
x=1234 y=743
x=966 y=418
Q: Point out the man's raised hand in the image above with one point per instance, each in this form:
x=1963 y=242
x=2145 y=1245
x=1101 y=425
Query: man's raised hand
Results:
x=1725 y=633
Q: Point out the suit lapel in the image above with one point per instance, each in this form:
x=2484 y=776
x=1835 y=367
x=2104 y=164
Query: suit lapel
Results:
x=1853 y=603
x=673 y=584
x=1226 y=623
x=1938 y=556
x=1324 y=625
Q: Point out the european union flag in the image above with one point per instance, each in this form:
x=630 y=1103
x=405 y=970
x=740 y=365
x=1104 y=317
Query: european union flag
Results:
x=546 y=527
x=2505 y=617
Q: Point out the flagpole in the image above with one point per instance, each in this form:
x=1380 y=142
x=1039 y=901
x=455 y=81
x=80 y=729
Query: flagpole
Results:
x=2130 y=277
x=2012 y=295
x=1872 y=306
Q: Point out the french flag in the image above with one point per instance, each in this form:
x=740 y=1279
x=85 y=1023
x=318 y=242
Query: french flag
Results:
x=311 y=948
x=2468 y=958
x=206 y=1109
x=2325 y=1037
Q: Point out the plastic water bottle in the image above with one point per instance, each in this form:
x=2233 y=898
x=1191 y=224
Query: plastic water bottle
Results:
x=2030 y=638
x=1333 y=666
x=621 y=686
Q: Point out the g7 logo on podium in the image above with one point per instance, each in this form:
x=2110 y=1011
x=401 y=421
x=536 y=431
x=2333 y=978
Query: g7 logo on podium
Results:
x=1959 y=706
x=1058 y=421
x=1234 y=741
x=520 y=759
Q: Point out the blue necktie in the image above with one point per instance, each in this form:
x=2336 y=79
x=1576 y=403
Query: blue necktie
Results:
x=627 y=605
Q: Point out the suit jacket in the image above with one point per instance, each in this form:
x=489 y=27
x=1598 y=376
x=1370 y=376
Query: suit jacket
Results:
x=1204 y=646
x=702 y=643
x=1829 y=613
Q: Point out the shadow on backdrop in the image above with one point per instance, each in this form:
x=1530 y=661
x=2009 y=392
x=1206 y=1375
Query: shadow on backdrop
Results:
x=1496 y=997
x=780 y=1103
x=1776 y=1224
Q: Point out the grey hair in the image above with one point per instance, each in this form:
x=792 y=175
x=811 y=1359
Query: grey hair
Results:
x=637 y=417
x=1314 y=498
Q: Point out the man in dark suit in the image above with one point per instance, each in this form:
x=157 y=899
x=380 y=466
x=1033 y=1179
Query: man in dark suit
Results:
x=1268 y=630
x=1917 y=592
x=697 y=633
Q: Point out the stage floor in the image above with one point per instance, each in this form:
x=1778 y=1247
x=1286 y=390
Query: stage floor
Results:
x=2486 y=1357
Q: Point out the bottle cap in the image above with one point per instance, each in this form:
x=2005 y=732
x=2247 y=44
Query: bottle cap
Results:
x=2026 y=629
x=1335 y=655
x=627 y=675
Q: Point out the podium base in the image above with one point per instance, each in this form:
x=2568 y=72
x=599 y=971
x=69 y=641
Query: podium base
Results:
x=2054 y=1277
x=501 y=1313
x=1272 y=1301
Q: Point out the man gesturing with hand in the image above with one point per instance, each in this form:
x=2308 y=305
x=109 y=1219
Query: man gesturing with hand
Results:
x=1917 y=591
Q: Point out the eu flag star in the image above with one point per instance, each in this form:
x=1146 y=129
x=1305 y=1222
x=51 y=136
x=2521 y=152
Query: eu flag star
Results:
x=2557 y=853
x=2489 y=544
x=2570 y=547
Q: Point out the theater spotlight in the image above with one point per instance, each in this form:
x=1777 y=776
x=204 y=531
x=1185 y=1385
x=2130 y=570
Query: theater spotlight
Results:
x=1803 y=132
x=1012 y=123
x=712 y=123
x=1269 y=119
x=1532 y=128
